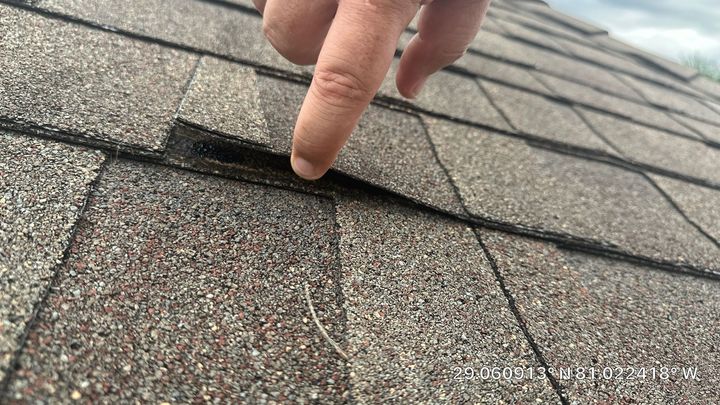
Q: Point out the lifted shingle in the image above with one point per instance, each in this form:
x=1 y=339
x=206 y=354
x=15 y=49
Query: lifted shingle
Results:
x=224 y=98
x=389 y=149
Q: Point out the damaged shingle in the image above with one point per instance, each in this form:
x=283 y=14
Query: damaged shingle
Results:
x=224 y=98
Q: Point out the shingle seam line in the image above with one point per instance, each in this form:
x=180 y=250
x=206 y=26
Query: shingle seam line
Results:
x=5 y=383
x=522 y=324
x=680 y=211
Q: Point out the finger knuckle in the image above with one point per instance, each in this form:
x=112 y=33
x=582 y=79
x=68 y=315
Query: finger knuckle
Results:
x=341 y=88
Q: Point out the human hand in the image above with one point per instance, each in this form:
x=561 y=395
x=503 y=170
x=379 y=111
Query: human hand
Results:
x=353 y=43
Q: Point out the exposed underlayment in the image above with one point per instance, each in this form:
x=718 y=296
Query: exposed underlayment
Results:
x=156 y=247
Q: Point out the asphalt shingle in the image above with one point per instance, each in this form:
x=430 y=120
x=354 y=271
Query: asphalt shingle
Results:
x=554 y=63
x=500 y=71
x=523 y=33
x=183 y=287
x=201 y=25
x=88 y=83
x=43 y=188
x=535 y=115
x=707 y=85
x=541 y=10
x=700 y=204
x=389 y=149
x=224 y=99
x=709 y=131
x=602 y=315
x=505 y=180
x=639 y=112
x=421 y=300
x=673 y=100
x=657 y=148
x=605 y=57
x=536 y=24
x=450 y=94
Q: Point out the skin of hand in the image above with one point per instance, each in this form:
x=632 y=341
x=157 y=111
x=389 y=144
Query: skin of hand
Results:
x=352 y=44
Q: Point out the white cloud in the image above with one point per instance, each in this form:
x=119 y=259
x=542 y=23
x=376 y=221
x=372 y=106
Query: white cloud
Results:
x=670 y=28
x=671 y=42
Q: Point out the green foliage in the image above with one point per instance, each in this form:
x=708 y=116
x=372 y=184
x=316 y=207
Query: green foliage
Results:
x=703 y=64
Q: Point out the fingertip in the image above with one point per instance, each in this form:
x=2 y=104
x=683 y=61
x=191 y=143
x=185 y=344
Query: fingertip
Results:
x=305 y=168
x=412 y=91
x=412 y=75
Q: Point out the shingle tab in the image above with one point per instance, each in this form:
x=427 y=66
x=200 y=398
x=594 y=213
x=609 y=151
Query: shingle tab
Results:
x=709 y=131
x=657 y=148
x=638 y=112
x=700 y=204
x=197 y=24
x=505 y=72
x=525 y=34
x=389 y=148
x=224 y=98
x=563 y=19
x=43 y=187
x=421 y=300
x=595 y=313
x=551 y=62
x=183 y=288
x=605 y=57
x=450 y=94
x=505 y=180
x=90 y=83
x=707 y=85
x=671 y=99
x=536 y=115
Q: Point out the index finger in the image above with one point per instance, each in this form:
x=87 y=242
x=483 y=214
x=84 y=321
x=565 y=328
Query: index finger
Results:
x=352 y=64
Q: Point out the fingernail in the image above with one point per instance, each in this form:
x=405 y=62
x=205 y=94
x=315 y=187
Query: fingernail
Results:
x=418 y=88
x=305 y=169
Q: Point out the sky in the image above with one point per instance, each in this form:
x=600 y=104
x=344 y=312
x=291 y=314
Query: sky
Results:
x=671 y=28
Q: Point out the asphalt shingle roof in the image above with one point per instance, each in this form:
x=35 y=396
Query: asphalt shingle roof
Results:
x=155 y=246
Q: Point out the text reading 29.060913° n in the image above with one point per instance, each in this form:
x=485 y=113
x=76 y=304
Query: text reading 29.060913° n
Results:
x=575 y=373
